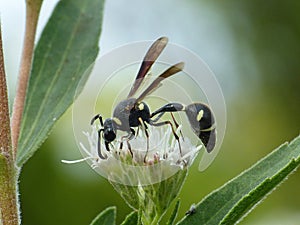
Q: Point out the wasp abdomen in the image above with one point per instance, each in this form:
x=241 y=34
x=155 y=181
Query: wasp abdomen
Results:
x=200 y=116
x=202 y=121
x=208 y=138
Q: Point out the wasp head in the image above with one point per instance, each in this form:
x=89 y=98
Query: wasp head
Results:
x=109 y=130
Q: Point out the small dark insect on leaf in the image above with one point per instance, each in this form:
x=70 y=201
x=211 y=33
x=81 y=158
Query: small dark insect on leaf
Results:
x=192 y=210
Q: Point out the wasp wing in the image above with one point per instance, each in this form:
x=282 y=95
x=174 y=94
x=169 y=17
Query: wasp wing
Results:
x=152 y=54
x=157 y=82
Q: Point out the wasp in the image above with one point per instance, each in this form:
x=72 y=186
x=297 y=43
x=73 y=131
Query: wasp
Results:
x=135 y=113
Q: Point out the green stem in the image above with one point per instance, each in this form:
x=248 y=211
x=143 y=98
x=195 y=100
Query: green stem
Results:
x=9 y=212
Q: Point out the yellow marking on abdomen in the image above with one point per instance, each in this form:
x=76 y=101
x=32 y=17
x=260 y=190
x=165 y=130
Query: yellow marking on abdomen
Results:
x=200 y=115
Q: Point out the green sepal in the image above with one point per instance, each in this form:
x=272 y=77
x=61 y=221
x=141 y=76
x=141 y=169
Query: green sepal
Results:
x=152 y=201
x=106 y=217
x=174 y=213
x=131 y=219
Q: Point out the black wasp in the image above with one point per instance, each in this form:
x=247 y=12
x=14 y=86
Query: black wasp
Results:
x=133 y=112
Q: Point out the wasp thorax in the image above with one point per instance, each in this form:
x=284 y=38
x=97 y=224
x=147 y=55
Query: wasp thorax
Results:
x=121 y=114
x=140 y=112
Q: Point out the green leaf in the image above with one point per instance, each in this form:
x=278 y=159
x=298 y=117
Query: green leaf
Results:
x=67 y=48
x=174 y=213
x=230 y=203
x=106 y=217
x=131 y=219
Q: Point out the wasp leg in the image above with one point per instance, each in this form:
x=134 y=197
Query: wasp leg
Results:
x=98 y=116
x=132 y=134
x=177 y=125
x=129 y=148
x=147 y=135
x=173 y=131
x=128 y=137
x=145 y=128
x=107 y=146
x=137 y=131
x=99 y=144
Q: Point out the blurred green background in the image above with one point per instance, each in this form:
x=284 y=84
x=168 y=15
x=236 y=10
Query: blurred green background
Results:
x=253 y=48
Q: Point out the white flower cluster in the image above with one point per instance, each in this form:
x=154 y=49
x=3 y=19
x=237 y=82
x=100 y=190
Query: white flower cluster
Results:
x=164 y=157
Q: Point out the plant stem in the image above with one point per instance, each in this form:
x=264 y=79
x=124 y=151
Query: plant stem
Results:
x=9 y=134
x=32 y=13
x=8 y=192
x=8 y=173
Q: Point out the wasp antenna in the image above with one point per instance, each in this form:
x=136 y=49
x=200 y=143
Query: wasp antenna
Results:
x=99 y=145
x=98 y=116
